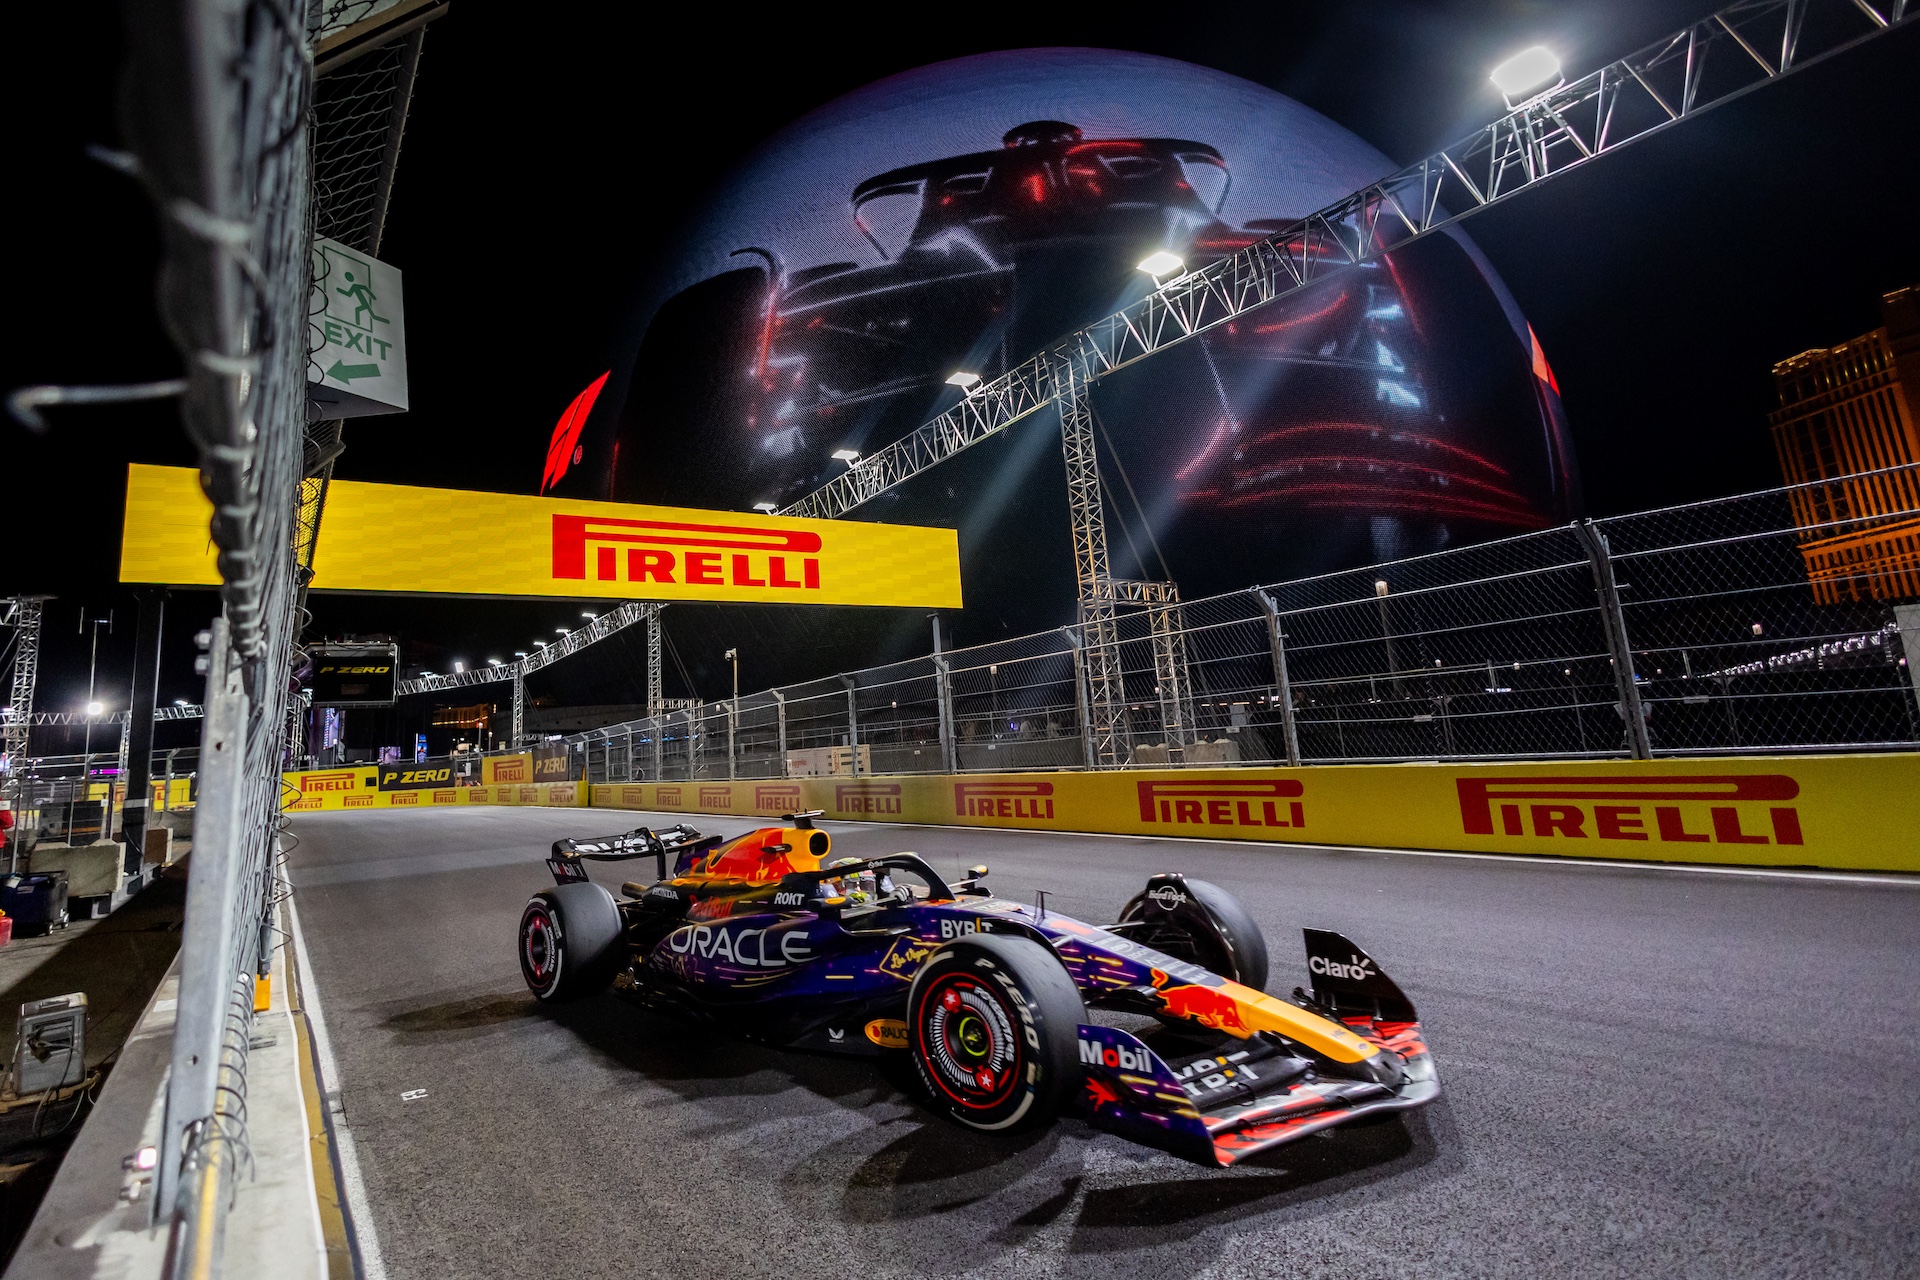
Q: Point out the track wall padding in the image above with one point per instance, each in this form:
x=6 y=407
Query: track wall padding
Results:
x=1855 y=812
x=358 y=787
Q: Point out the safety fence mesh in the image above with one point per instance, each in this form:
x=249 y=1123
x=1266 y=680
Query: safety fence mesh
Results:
x=1779 y=621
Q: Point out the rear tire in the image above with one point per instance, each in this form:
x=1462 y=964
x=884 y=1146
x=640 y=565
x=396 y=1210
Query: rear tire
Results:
x=993 y=1025
x=1209 y=928
x=570 y=941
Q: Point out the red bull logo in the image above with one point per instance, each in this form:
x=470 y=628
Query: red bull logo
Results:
x=666 y=551
x=1254 y=802
x=867 y=797
x=1695 y=809
x=1205 y=1006
x=1003 y=799
x=716 y=797
x=777 y=798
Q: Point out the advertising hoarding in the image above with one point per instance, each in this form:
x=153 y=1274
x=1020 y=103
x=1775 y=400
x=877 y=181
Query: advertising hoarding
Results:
x=416 y=541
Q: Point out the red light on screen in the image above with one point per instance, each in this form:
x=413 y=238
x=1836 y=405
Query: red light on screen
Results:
x=566 y=433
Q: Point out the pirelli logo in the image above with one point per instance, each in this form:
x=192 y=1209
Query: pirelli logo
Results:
x=1003 y=799
x=633 y=798
x=669 y=552
x=866 y=797
x=529 y=795
x=716 y=797
x=560 y=793
x=394 y=798
x=446 y=797
x=1739 y=808
x=366 y=802
x=1264 y=802
x=777 y=798
x=342 y=780
x=667 y=796
x=511 y=769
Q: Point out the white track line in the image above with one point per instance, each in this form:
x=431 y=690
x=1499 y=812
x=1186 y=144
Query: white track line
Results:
x=359 y=1212
x=1615 y=864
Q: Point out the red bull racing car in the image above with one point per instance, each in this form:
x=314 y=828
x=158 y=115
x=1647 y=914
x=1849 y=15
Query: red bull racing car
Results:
x=770 y=936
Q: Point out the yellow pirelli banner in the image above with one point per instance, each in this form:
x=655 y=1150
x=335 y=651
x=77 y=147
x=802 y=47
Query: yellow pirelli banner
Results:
x=1857 y=812
x=358 y=787
x=399 y=538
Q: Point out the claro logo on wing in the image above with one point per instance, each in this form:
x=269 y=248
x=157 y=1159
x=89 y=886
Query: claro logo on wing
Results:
x=695 y=555
x=1255 y=802
x=1003 y=799
x=1692 y=809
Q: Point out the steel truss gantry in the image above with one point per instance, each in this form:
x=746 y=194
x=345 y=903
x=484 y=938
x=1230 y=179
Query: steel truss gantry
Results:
x=1737 y=49
x=22 y=613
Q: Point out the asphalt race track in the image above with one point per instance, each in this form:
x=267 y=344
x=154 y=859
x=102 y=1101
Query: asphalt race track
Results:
x=1647 y=1073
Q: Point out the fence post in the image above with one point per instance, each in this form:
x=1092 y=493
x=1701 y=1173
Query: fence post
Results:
x=780 y=723
x=1278 y=644
x=1615 y=622
x=733 y=716
x=208 y=968
x=943 y=700
x=1080 y=698
x=853 y=726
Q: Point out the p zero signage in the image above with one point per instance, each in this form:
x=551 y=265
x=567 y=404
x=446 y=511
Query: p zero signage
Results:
x=347 y=676
x=512 y=545
x=551 y=763
x=416 y=777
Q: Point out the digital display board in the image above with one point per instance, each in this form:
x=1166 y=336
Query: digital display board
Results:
x=354 y=675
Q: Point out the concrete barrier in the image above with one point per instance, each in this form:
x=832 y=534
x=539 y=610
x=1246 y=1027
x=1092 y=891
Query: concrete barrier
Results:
x=1854 y=812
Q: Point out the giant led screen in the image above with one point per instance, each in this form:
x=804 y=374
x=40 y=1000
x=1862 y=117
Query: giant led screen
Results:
x=960 y=216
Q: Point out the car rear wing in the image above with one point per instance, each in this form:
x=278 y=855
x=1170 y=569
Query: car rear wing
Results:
x=681 y=839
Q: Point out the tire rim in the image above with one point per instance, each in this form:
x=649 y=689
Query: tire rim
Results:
x=968 y=1037
x=540 y=950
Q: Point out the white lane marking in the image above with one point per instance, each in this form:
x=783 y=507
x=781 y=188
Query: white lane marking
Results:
x=359 y=1211
x=413 y=1095
x=1685 y=868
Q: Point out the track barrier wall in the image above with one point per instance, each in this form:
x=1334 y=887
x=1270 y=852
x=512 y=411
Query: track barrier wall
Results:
x=1850 y=812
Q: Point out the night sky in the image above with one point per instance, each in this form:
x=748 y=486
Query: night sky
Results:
x=1663 y=281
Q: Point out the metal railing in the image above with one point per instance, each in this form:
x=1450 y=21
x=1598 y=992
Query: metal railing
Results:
x=1711 y=628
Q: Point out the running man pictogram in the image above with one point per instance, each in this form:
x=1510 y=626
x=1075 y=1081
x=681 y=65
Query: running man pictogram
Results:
x=362 y=295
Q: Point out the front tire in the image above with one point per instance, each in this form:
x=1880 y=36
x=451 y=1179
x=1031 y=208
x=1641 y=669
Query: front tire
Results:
x=1203 y=924
x=993 y=1025
x=570 y=939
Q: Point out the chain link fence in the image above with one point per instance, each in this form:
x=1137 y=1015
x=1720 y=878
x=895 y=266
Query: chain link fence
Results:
x=217 y=111
x=1691 y=630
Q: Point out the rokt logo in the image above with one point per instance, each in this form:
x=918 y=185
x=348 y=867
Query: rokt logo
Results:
x=735 y=555
x=1575 y=807
x=1003 y=799
x=867 y=797
x=1224 y=802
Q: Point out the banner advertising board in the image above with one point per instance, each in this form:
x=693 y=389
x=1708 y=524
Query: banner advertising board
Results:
x=354 y=675
x=400 y=538
x=1852 y=811
x=551 y=762
x=514 y=768
x=417 y=776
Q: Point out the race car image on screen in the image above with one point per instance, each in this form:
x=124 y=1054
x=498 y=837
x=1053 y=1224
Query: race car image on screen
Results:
x=769 y=936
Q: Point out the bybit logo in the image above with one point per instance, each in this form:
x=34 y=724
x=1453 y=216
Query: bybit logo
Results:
x=710 y=555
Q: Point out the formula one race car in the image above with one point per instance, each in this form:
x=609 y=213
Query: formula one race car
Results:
x=762 y=933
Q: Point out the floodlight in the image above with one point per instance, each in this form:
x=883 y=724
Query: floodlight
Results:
x=1162 y=264
x=94 y=708
x=563 y=631
x=1526 y=71
x=848 y=456
x=519 y=653
x=178 y=702
x=495 y=662
x=1380 y=587
x=588 y=614
x=459 y=668
x=539 y=644
x=767 y=507
x=964 y=381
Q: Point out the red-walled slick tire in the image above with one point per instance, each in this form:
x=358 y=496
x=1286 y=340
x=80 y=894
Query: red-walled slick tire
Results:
x=993 y=1025
x=569 y=941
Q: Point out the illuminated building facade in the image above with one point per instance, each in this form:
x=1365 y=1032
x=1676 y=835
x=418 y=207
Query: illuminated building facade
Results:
x=1844 y=412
